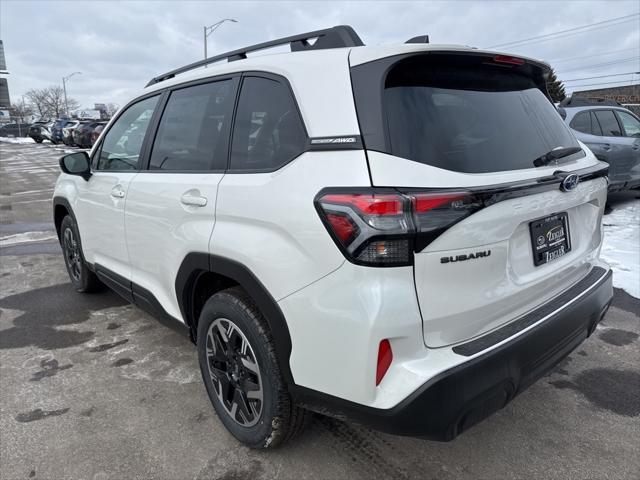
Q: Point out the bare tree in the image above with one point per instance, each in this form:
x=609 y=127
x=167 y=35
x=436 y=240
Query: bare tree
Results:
x=112 y=109
x=21 y=111
x=49 y=102
x=37 y=98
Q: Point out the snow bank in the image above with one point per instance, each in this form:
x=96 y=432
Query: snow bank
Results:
x=16 y=140
x=621 y=248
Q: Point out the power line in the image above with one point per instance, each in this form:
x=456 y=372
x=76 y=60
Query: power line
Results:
x=570 y=31
x=600 y=65
x=594 y=55
x=601 y=76
x=602 y=83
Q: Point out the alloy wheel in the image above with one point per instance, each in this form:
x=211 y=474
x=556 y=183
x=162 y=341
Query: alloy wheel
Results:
x=72 y=254
x=234 y=372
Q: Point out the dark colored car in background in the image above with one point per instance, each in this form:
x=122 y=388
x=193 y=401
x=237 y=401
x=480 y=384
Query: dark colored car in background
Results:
x=40 y=131
x=611 y=132
x=82 y=134
x=15 y=130
x=96 y=132
x=56 y=129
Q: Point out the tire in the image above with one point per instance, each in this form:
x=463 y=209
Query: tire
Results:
x=83 y=279
x=252 y=378
x=38 y=140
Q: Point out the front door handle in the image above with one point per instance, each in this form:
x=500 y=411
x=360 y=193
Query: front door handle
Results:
x=193 y=200
x=117 y=192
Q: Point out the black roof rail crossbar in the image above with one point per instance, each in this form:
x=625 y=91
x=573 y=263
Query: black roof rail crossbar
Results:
x=334 y=37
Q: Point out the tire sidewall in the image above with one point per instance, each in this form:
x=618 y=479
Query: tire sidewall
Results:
x=225 y=305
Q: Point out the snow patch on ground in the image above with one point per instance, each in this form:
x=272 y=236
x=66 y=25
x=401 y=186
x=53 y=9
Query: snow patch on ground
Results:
x=27 y=237
x=621 y=247
x=24 y=140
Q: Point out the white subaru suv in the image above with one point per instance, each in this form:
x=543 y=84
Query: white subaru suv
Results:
x=406 y=236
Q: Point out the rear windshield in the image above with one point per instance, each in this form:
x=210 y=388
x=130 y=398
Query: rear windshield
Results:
x=472 y=118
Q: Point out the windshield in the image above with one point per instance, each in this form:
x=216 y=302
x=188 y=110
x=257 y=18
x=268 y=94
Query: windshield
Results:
x=474 y=120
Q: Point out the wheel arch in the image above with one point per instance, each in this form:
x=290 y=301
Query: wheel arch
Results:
x=61 y=208
x=203 y=274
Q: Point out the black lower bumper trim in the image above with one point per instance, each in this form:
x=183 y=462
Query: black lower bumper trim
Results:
x=461 y=397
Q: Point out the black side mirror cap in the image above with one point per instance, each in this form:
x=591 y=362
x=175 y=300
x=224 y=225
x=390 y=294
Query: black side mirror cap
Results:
x=76 y=163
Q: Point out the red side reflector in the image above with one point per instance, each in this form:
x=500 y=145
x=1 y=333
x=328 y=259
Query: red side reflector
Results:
x=381 y=204
x=385 y=356
x=508 y=59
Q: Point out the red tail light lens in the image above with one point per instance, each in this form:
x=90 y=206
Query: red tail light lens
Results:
x=379 y=228
x=385 y=357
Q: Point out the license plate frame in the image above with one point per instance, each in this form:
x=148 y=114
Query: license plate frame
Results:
x=550 y=238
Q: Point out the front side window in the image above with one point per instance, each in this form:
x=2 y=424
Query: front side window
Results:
x=123 y=142
x=191 y=134
x=608 y=123
x=630 y=123
x=268 y=131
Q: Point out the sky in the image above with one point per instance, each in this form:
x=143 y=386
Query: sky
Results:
x=119 y=45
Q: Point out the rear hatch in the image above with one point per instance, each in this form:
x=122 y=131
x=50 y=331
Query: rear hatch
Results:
x=490 y=166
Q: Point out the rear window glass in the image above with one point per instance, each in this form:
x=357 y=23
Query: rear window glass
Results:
x=473 y=120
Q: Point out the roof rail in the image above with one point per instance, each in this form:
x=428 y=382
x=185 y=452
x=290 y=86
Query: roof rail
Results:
x=334 y=37
x=579 y=101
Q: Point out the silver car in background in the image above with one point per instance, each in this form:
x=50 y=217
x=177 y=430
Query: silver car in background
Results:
x=611 y=132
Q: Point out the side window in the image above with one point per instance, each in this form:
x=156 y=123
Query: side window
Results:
x=121 y=146
x=190 y=135
x=608 y=123
x=581 y=122
x=630 y=123
x=268 y=131
x=595 y=125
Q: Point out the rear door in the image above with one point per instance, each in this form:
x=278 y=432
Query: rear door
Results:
x=463 y=133
x=171 y=204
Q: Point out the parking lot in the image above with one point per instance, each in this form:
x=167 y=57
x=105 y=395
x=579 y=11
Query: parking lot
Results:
x=93 y=388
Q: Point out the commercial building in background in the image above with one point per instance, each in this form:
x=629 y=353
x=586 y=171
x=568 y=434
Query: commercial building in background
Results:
x=628 y=96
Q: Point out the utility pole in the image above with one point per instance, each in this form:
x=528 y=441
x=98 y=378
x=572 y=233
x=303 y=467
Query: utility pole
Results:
x=210 y=29
x=64 y=88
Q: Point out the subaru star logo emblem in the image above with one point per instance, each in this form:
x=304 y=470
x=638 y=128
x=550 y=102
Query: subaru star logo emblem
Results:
x=570 y=182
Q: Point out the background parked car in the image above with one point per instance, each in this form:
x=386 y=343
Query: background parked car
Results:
x=15 y=130
x=613 y=134
x=40 y=131
x=82 y=137
x=67 y=132
x=96 y=132
x=56 y=129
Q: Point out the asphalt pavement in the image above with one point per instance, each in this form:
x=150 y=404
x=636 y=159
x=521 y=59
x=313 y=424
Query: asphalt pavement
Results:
x=94 y=388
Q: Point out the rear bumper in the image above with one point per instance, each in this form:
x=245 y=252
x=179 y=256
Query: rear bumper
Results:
x=458 y=398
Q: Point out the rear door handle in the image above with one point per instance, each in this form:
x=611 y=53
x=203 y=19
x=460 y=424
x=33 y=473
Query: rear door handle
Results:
x=117 y=192
x=193 y=200
x=606 y=147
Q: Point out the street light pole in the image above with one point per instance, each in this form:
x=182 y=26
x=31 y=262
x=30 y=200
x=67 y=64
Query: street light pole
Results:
x=210 y=29
x=64 y=88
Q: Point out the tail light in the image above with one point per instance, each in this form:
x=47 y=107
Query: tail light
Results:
x=383 y=228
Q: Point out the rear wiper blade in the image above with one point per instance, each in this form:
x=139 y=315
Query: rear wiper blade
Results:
x=555 y=154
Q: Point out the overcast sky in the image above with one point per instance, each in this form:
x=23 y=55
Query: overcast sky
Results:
x=119 y=46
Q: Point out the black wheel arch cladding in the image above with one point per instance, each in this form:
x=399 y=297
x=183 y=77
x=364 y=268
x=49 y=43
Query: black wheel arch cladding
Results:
x=197 y=262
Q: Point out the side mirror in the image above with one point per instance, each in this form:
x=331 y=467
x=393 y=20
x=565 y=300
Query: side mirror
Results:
x=76 y=164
